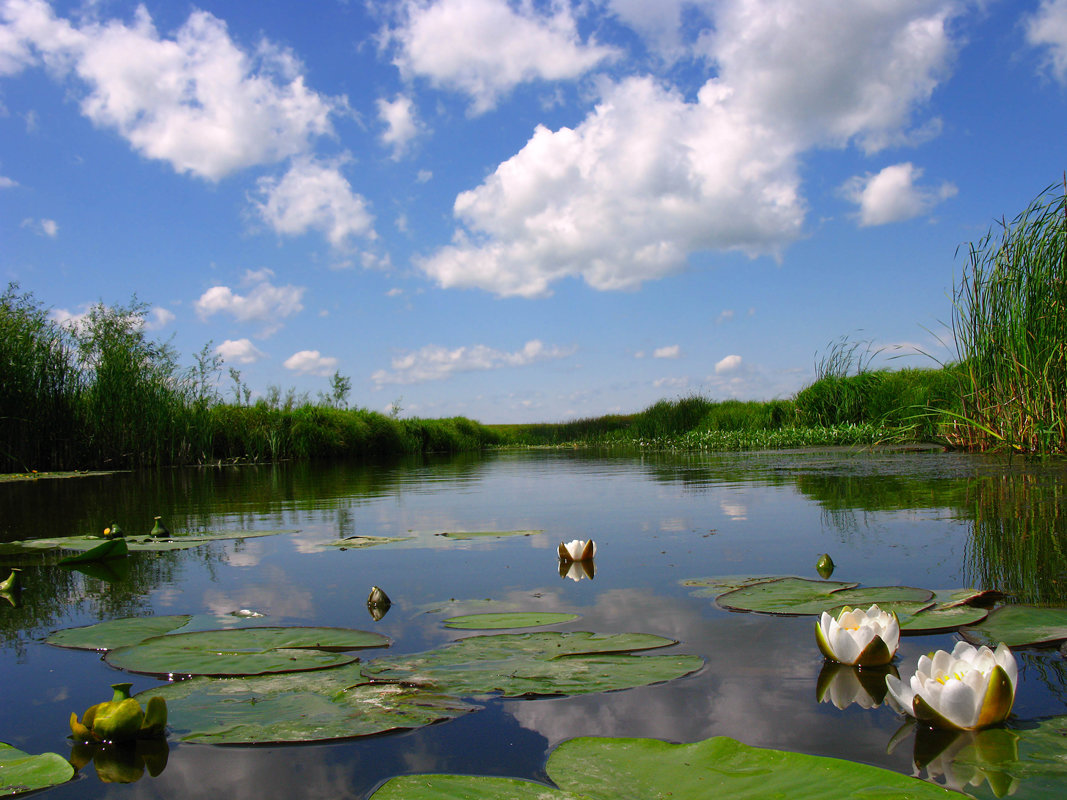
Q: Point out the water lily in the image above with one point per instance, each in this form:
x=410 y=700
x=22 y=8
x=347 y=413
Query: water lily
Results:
x=857 y=637
x=969 y=688
x=577 y=550
x=120 y=719
x=843 y=685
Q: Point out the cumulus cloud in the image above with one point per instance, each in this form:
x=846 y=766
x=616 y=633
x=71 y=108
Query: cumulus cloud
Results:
x=435 y=363
x=727 y=365
x=240 y=351
x=826 y=72
x=157 y=318
x=1047 y=28
x=401 y=124
x=197 y=100
x=623 y=198
x=485 y=48
x=314 y=195
x=670 y=351
x=311 y=362
x=650 y=177
x=7 y=183
x=264 y=302
x=892 y=195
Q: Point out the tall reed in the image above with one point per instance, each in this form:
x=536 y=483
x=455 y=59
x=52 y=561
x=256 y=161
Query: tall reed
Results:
x=1010 y=324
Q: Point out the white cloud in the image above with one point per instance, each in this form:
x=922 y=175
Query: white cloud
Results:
x=197 y=100
x=68 y=319
x=434 y=363
x=623 y=198
x=157 y=318
x=42 y=227
x=670 y=351
x=1048 y=28
x=671 y=383
x=650 y=177
x=241 y=351
x=892 y=195
x=7 y=183
x=401 y=124
x=311 y=362
x=264 y=303
x=659 y=23
x=313 y=195
x=826 y=72
x=485 y=48
x=728 y=364
x=726 y=315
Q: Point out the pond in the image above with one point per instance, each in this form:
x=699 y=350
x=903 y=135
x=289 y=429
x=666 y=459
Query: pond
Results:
x=923 y=519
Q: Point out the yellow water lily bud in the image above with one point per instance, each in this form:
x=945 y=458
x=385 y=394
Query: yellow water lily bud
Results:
x=155 y=717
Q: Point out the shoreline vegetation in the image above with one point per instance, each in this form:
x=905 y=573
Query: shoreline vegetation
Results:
x=101 y=394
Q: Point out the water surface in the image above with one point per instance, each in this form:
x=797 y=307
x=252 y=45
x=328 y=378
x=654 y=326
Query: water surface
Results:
x=922 y=519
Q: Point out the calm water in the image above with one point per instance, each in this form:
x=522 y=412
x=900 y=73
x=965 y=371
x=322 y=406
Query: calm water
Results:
x=922 y=519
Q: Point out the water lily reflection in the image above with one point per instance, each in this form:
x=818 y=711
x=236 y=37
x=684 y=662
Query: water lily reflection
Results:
x=843 y=685
x=969 y=688
x=122 y=762
x=963 y=760
x=576 y=570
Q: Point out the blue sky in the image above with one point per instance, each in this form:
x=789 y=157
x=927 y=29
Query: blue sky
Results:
x=522 y=211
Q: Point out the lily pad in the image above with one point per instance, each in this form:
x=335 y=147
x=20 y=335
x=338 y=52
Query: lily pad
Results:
x=107 y=549
x=637 y=769
x=486 y=534
x=534 y=664
x=116 y=632
x=244 y=651
x=304 y=707
x=713 y=587
x=519 y=619
x=968 y=596
x=1019 y=626
x=22 y=772
x=138 y=543
x=802 y=596
x=358 y=542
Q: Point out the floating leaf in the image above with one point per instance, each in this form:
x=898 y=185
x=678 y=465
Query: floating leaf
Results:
x=358 y=542
x=638 y=769
x=137 y=543
x=968 y=596
x=244 y=651
x=1019 y=626
x=302 y=707
x=518 y=619
x=21 y=772
x=802 y=596
x=713 y=587
x=486 y=534
x=116 y=632
x=109 y=548
x=541 y=663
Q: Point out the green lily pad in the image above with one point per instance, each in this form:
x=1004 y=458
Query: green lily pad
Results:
x=486 y=534
x=638 y=769
x=358 y=542
x=541 y=663
x=713 y=587
x=303 y=707
x=968 y=596
x=21 y=772
x=802 y=596
x=244 y=651
x=138 y=543
x=518 y=619
x=116 y=632
x=1019 y=626
x=109 y=548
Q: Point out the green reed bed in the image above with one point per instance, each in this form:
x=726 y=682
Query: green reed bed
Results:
x=1010 y=323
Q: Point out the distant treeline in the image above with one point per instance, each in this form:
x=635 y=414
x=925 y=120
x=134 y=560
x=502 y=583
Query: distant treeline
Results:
x=101 y=395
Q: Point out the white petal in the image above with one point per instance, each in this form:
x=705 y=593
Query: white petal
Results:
x=1006 y=659
x=900 y=696
x=844 y=646
x=959 y=704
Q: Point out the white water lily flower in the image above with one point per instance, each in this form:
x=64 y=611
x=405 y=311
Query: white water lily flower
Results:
x=577 y=550
x=857 y=637
x=969 y=688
